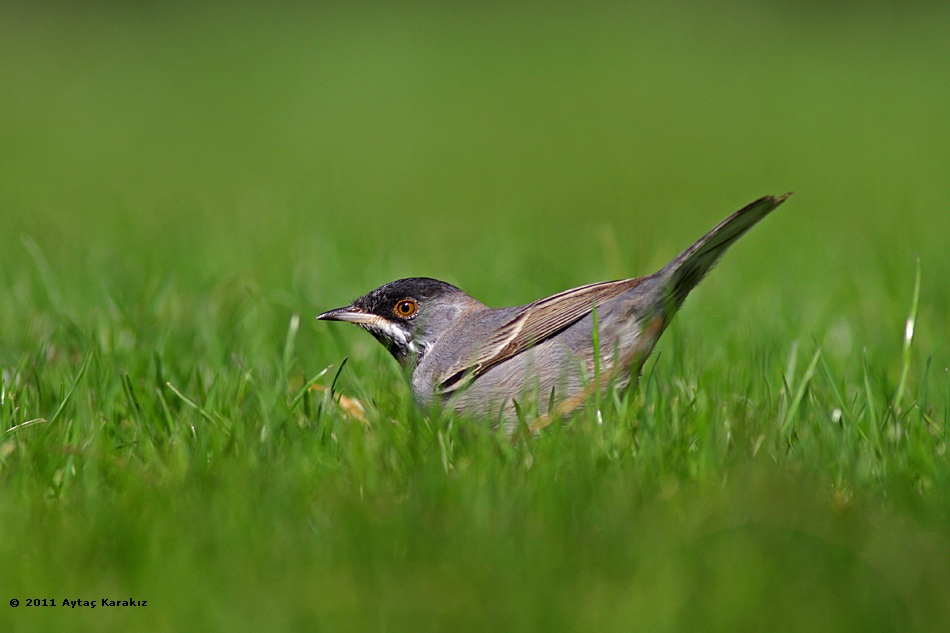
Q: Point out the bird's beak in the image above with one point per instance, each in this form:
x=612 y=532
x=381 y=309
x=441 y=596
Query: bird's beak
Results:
x=350 y=314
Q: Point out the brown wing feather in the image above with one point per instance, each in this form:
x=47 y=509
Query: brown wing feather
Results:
x=535 y=323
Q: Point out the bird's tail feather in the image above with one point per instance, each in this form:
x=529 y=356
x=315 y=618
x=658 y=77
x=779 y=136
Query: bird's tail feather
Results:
x=688 y=269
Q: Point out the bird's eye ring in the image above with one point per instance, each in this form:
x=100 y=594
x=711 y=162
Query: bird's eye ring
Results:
x=406 y=308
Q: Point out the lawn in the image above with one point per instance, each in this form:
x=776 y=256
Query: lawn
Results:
x=184 y=188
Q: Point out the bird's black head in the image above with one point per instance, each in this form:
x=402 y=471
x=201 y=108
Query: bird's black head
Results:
x=406 y=315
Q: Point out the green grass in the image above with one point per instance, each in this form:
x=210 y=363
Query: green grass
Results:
x=183 y=189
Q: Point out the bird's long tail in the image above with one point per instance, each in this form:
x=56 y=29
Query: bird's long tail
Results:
x=677 y=279
x=691 y=265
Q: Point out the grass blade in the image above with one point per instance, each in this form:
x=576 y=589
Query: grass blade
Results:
x=303 y=390
x=290 y=341
x=45 y=272
x=906 y=349
x=191 y=403
x=800 y=392
x=72 y=388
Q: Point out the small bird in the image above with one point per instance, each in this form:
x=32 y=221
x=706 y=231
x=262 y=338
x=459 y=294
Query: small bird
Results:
x=498 y=363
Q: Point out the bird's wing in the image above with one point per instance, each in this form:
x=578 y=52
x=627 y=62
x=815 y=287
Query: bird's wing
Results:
x=533 y=324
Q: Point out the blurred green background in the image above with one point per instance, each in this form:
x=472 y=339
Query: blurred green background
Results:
x=178 y=179
x=348 y=144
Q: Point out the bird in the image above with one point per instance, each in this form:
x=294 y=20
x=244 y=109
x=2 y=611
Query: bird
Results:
x=543 y=358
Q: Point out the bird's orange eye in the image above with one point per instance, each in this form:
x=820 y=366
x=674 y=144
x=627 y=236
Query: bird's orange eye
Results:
x=405 y=308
